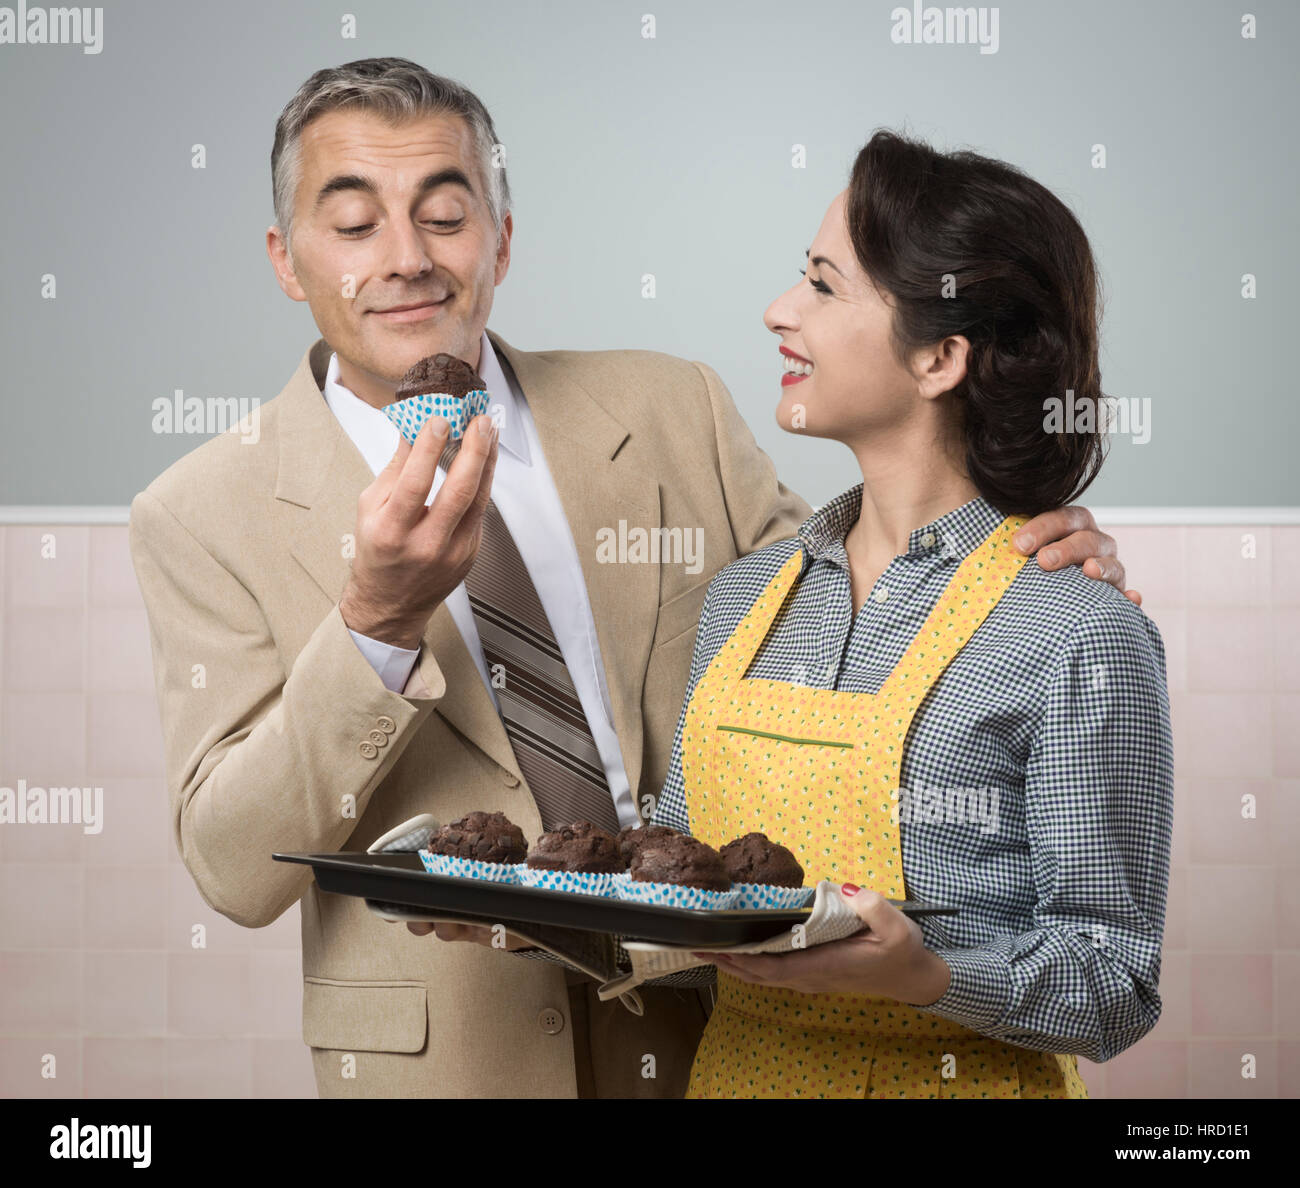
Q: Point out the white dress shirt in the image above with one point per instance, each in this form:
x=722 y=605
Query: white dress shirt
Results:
x=525 y=495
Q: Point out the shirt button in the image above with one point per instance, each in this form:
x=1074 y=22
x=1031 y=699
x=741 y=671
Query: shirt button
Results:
x=509 y=779
x=881 y=595
x=551 y=1021
x=386 y=724
x=368 y=749
x=928 y=539
x=378 y=737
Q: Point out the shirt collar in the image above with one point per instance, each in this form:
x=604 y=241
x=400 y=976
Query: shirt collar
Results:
x=365 y=422
x=950 y=537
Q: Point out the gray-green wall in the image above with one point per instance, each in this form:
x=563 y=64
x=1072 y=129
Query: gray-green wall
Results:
x=669 y=156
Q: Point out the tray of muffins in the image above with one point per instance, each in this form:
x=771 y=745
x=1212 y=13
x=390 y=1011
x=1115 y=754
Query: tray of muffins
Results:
x=650 y=882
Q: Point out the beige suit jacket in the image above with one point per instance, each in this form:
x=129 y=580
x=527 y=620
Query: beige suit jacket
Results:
x=269 y=709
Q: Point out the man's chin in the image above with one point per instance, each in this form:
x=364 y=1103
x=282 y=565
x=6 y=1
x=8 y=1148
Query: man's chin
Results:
x=394 y=355
x=413 y=343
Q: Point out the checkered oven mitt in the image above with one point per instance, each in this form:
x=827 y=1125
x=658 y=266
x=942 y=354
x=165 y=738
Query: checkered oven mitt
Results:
x=831 y=919
x=408 y=836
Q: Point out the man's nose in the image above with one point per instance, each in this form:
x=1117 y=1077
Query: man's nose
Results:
x=405 y=251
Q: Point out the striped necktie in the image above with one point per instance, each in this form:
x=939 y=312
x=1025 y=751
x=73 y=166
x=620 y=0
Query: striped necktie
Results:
x=540 y=707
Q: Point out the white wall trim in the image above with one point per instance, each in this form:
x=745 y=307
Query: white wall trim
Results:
x=1194 y=515
x=1119 y=516
x=57 y=514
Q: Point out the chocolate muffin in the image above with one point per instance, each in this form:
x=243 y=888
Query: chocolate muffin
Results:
x=632 y=837
x=755 y=859
x=485 y=837
x=582 y=847
x=439 y=373
x=682 y=860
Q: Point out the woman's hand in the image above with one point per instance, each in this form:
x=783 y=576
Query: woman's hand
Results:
x=1075 y=540
x=888 y=959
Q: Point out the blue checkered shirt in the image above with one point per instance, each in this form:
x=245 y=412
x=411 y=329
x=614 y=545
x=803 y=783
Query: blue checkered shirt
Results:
x=1037 y=777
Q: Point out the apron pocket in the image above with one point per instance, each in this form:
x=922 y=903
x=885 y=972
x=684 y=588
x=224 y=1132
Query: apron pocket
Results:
x=807 y=742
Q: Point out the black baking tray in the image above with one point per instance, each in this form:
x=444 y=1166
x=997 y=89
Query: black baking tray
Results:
x=400 y=878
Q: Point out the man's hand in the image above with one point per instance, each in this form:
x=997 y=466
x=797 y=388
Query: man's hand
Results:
x=478 y=933
x=409 y=557
x=1075 y=540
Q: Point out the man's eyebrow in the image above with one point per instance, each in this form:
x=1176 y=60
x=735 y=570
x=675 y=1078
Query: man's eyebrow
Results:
x=819 y=260
x=356 y=181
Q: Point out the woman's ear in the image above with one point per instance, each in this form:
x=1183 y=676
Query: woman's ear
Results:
x=942 y=367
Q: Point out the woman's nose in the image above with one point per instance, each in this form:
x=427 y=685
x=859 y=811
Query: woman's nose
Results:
x=781 y=314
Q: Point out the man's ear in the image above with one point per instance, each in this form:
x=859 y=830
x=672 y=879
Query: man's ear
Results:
x=503 y=248
x=278 y=252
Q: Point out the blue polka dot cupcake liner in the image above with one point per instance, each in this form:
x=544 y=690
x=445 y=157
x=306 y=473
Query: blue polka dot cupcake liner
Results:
x=760 y=897
x=410 y=414
x=470 y=868
x=671 y=895
x=578 y=882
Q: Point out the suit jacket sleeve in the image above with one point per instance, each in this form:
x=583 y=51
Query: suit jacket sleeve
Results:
x=259 y=759
x=760 y=507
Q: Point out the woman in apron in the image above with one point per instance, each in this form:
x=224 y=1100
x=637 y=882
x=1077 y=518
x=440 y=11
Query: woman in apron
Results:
x=912 y=706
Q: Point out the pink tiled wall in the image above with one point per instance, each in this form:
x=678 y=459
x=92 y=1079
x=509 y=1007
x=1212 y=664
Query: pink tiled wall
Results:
x=97 y=965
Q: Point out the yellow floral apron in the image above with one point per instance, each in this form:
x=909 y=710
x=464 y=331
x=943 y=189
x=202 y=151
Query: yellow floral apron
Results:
x=817 y=770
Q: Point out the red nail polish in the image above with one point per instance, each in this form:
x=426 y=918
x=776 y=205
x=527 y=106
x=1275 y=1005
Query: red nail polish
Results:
x=850 y=889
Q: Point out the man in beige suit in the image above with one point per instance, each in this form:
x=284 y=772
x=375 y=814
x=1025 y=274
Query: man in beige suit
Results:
x=315 y=682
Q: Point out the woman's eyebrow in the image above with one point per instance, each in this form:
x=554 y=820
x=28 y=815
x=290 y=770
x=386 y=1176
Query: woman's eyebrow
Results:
x=358 y=181
x=822 y=260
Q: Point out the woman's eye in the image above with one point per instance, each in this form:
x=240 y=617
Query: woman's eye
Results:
x=816 y=284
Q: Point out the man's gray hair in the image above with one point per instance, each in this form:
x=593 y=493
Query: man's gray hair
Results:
x=396 y=89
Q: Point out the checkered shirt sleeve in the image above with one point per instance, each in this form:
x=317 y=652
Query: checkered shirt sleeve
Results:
x=1099 y=812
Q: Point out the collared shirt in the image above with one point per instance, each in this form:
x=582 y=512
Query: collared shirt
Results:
x=1055 y=712
x=525 y=495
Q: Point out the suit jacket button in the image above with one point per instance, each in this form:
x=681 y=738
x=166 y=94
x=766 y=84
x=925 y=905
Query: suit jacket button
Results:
x=378 y=737
x=386 y=724
x=551 y=1021
x=510 y=779
x=368 y=749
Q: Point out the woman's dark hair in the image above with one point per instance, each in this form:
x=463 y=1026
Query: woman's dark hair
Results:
x=967 y=245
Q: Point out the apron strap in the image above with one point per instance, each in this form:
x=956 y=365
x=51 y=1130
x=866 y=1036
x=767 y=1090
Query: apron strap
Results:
x=980 y=581
x=733 y=658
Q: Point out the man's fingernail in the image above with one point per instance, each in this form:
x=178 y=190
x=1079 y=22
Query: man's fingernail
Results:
x=850 y=888
x=485 y=426
x=1049 y=555
x=1024 y=541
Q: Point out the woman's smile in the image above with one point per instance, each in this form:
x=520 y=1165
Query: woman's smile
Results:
x=797 y=368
